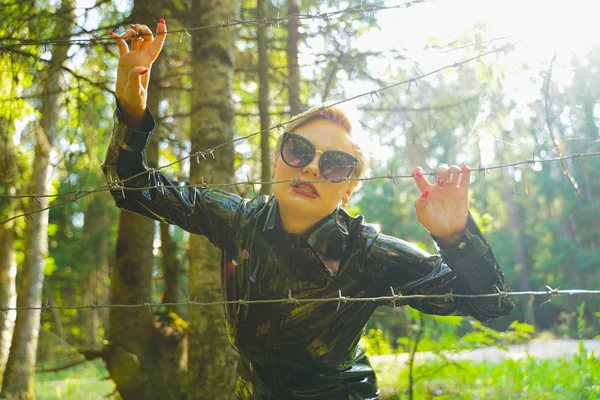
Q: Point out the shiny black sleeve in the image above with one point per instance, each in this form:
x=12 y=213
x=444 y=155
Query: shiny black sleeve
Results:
x=204 y=211
x=467 y=267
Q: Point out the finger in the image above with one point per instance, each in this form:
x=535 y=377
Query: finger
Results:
x=442 y=175
x=136 y=40
x=466 y=176
x=421 y=202
x=161 y=35
x=128 y=34
x=123 y=48
x=147 y=37
x=453 y=175
x=136 y=74
x=420 y=180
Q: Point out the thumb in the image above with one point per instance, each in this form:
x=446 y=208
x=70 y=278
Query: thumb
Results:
x=421 y=202
x=136 y=75
x=134 y=93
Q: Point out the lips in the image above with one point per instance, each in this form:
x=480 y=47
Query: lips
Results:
x=305 y=188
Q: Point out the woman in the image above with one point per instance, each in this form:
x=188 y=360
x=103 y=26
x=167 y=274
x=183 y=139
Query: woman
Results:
x=300 y=243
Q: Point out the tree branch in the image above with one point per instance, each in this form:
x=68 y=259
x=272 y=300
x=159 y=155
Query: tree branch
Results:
x=554 y=140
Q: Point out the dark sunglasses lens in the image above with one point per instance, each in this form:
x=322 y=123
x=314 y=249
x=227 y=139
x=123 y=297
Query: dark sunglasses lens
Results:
x=336 y=166
x=296 y=152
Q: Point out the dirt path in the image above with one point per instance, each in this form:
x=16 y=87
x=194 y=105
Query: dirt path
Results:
x=538 y=350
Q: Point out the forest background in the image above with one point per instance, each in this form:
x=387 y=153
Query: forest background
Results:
x=528 y=98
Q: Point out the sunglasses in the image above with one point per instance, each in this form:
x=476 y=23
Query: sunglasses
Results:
x=298 y=152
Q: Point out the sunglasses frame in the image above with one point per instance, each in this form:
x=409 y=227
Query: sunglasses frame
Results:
x=288 y=135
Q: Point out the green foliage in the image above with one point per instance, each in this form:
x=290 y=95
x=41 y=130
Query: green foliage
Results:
x=483 y=336
x=82 y=381
x=374 y=342
x=450 y=117
x=511 y=379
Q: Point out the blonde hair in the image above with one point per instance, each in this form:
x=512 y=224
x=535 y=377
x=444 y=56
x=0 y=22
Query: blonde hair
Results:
x=338 y=117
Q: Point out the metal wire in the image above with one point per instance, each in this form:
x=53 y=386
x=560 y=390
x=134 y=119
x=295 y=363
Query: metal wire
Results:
x=275 y=21
x=551 y=293
x=118 y=185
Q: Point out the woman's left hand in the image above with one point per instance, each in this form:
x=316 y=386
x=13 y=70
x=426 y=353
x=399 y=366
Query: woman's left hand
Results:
x=443 y=207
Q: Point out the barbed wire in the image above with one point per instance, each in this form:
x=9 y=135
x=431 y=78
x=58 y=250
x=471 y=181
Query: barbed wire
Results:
x=394 y=298
x=206 y=184
x=226 y=24
x=76 y=195
x=374 y=94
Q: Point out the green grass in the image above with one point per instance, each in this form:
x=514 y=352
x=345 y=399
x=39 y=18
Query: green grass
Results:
x=569 y=378
x=85 y=381
x=73 y=389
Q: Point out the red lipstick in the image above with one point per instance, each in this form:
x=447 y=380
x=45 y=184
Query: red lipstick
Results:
x=306 y=189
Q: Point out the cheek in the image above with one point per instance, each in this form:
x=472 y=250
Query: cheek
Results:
x=335 y=191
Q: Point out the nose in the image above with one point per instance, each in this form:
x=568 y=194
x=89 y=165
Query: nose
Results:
x=313 y=166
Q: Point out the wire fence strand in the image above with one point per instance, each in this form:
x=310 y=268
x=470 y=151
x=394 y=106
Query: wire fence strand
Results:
x=226 y=24
x=76 y=195
x=393 y=298
x=120 y=184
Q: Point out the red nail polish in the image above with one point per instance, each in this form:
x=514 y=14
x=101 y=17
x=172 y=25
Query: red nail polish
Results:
x=144 y=72
x=419 y=173
x=162 y=21
x=111 y=33
x=464 y=167
x=425 y=195
x=441 y=183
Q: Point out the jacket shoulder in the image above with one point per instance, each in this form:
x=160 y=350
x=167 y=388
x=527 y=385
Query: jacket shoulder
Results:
x=363 y=232
x=251 y=209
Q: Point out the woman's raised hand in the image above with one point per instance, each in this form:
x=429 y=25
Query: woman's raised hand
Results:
x=134 y=66
x=443 y=207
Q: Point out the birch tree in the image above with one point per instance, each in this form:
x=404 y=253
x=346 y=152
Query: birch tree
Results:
x=18 y=376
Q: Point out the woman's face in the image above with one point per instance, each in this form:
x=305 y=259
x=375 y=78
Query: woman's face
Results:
x=313 y=201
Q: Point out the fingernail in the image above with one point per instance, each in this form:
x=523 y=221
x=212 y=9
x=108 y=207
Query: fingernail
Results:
x=464 y=167
x=425 y=195
x=144 y=72
x=134 y=25
x=419 y=173
x=441 y=183
x=162 y=21
x=111 y=33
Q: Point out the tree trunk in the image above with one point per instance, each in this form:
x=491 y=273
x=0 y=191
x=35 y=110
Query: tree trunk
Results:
x=212 y=365
x=97 y=223
x=142 y=357
x=171 y=269
x=263 y=100
x=8 y=261
x=18 y=376
x=292 y=58
x=516 y=227
x=8 y=294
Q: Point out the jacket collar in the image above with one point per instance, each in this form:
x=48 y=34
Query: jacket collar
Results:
x=328 y=238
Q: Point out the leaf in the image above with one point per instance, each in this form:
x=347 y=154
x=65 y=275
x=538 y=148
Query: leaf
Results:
x=481 y=72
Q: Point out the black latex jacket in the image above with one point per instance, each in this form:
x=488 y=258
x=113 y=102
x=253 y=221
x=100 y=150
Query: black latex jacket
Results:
x=307 y=351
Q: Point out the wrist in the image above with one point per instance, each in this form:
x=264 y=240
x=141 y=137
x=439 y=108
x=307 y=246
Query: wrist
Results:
x=448 y=241
x=132 y=116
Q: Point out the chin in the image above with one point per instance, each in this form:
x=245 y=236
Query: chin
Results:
x=298 y=204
